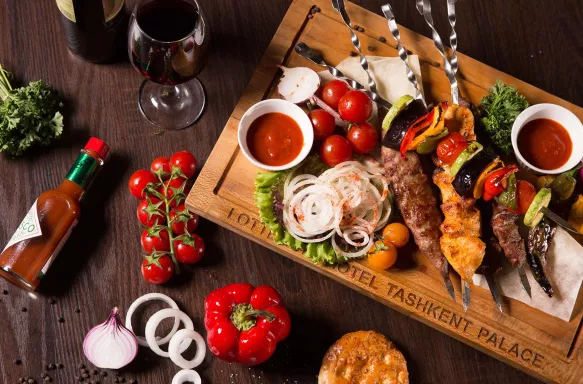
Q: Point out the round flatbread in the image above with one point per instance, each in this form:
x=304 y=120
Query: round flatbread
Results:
x=363 y=357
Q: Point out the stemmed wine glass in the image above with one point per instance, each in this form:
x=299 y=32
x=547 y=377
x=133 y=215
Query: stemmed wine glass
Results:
x=168 y=43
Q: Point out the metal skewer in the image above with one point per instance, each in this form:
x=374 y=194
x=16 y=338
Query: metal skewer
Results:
x=465 y=295
x=306 y=52
x=452 y=38
x=339 y=6
x=559 y=220
x=524 y=280
x=494 y=291
x=449 y=286
x=388 y=12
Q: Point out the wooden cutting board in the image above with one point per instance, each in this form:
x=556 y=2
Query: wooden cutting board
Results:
x=544 y=346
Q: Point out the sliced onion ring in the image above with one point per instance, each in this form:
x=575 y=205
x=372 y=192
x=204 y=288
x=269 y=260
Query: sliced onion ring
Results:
x=150 y=297
x=174 y=346
x=155 y=320
x=186 y=375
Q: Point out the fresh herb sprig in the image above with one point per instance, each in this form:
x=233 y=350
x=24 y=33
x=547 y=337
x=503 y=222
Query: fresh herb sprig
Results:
x=28 y=115
x=500 y=108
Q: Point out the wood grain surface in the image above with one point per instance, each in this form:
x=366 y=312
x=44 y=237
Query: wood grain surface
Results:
x=537 y=41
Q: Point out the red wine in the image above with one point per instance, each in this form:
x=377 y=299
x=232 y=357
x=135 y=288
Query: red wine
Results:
x=94 y=28
x=168 y=41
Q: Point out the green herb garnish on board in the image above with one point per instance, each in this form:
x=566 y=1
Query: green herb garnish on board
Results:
x=28 y=115
x=501 y=107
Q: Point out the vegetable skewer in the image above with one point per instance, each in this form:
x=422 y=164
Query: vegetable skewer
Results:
x=339 y=7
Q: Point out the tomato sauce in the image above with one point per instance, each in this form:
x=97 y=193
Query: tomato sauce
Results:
x=275 y=139
x=545 y=144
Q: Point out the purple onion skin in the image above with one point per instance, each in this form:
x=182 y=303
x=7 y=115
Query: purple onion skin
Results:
x=111 y=329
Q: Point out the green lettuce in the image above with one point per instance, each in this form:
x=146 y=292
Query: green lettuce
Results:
x=265 y=185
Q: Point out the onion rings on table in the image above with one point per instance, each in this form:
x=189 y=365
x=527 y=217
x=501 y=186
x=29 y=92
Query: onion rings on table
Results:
x=350 y=201
x=186 y=375
x=155 y=320
x=150 y=297
x=175 y=353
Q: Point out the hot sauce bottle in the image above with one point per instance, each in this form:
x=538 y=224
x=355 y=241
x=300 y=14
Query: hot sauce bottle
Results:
x=49 y=222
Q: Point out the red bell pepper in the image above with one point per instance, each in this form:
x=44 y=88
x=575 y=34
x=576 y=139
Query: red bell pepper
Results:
x=418 y=126
x=497 y=181
x=245 y=323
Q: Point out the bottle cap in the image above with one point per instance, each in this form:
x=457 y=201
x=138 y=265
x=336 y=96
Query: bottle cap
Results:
x=97 y=146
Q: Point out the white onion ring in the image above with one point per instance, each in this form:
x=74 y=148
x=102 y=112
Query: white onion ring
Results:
x=175 y=354
x=186 y=375
x=141 y=300
x=155 y=320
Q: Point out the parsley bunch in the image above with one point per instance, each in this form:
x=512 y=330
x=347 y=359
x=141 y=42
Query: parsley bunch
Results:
x=28 y=115
x=501 y=106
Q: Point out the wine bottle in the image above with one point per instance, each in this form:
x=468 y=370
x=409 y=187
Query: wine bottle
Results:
x=94 y=29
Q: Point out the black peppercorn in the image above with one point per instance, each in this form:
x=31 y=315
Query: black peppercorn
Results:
x=382 y=39
x=370 y=48
x=52 y=301
x=23 y=309
x=352 y=53
x=77 y=310
x=17 y=361
x=84 y=370
x=4 y=291
x=61 y=320
x=60 y=366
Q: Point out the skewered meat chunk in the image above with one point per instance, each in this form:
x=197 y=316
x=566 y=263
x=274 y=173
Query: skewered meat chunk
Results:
x=460 y=241
x=416 y=202
x=504 y=226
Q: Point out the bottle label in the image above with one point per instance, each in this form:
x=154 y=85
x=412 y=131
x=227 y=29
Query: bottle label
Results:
x=29 y=228
x=83 y=170
x=44 y=270
x=67 y=9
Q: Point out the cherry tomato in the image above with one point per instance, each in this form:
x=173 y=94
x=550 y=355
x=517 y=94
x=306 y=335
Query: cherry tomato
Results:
x=158 y=271
x=335 y=150
x=160 y=242
x=496 y=182
x=381 y=255
x=186 y=161
x=450 y=147
x=333 y=92
x=161 y=162
x=178 y=225
x=363 y=137
x=173 y=183
x=396 y=234
x=355 y=107
x=145 y=218
x=139 y=180
x=323 y=124
x=525 y=193
x=189 y=253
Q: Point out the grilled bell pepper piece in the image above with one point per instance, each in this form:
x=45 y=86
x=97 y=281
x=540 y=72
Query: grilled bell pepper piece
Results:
x=420 y=125
x=245 y=323
x=437 y=126
x=508 y=196
x=497 y=181
x=430 y=143
x=576 y=214
x=479 y=186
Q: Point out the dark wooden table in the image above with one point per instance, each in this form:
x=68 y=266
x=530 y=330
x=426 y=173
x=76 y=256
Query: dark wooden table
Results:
x=535 y=40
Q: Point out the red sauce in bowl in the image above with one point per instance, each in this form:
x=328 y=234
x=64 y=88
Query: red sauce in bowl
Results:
x=275 y=139
x=545 y=144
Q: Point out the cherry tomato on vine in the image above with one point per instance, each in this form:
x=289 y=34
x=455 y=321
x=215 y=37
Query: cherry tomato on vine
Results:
x=381 y=255
x=335 y=150
x=333 y=92
x=396 y=234
x=172 y=183
x=178 y=225
x=363 y=137
x=157 y=270
x=355 y=107
x=450 y=147
x=155 y=218
x=525 y=193
x=139 y=180
x=160 y=242
x=161 y=162
x=323 y=124
x=186 y=161
x=189 y=253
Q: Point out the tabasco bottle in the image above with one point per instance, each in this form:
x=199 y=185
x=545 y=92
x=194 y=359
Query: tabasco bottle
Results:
x=49 y=222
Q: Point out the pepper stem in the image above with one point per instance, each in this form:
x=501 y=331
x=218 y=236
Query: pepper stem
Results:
x=244 y=316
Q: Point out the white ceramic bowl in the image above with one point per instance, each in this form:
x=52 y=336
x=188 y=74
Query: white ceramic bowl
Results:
x=562 y=116
x=280 y=106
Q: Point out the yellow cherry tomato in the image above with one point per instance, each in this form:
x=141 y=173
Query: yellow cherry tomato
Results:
x=381 y=255
x=397 y=234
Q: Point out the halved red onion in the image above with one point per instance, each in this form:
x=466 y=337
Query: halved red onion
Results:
x=298 y=84
x=110 y=345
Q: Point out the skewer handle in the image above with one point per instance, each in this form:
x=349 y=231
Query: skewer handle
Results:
x=388 y=12
x=341 y=9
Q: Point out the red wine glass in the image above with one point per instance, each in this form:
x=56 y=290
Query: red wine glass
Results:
x=168 y=44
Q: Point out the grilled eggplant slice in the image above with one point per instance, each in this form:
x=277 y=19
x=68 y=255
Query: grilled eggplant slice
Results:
x=402 y=122
x=470 y=172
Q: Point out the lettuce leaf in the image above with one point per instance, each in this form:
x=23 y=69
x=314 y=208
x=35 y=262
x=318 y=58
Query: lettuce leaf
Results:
x=268 y=183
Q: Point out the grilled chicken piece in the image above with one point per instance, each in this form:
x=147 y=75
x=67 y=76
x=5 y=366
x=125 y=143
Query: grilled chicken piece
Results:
x=460 y=241
x=460 y=119
x=416 y=202
x=504 y=226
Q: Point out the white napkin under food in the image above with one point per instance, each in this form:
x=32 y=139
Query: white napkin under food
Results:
x=564 y=270
x=565 y=259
